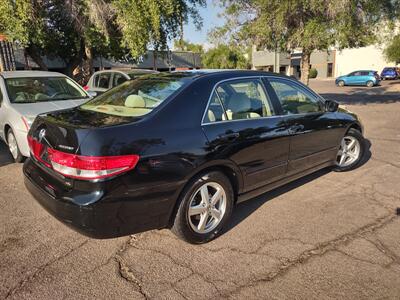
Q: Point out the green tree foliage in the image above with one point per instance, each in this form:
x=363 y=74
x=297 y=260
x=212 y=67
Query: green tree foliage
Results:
x=183 y=45
x=76 y=30
x=392 y=51
x=308 y=25
x=225 y=57
x=152 y=23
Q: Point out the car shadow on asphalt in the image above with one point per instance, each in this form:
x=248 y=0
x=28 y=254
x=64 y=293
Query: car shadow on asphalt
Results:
x=364 y=95
x=5 y=156
x=245 y=209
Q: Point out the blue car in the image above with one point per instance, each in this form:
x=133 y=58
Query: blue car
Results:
x=367 y=78
x=389 y=73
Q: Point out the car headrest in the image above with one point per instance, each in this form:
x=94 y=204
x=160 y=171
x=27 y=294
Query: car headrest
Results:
x=135 y=101
x=239 y=103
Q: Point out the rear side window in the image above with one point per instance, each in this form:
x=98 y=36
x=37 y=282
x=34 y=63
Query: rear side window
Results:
x=238 y=100
x=137 y=97
x=293 y=98
x=102 y=80
x=365 y=73
x=215 y=111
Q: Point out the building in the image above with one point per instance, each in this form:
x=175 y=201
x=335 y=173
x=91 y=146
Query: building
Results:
x=329 y=64
x=157 y=60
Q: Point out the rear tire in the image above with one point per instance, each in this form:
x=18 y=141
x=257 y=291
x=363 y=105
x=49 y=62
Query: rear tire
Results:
x=370 y=83
x=341 y=83
x=351 y=151
x=13 y=147
x=199 y=219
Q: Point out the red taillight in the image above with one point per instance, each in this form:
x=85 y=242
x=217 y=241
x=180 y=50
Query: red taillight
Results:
x=82 y=167
x=37 y=149
x=86 y=87
x=90 y=167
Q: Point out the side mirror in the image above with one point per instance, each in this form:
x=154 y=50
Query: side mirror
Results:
x=92 y=94
x=331 y=105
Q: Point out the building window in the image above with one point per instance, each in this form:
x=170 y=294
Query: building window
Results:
x=330 y=70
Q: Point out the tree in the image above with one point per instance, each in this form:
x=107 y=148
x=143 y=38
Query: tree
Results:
x=152 y=23
x=392 y=51
x=76 y=30
x=308 y=25
x=183 y=45
x=225 y=57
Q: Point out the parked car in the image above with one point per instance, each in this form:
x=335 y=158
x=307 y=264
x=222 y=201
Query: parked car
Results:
x=390 y=73
x=102 y=81
x=179 y=150
x=368 y=78
x=24 y=95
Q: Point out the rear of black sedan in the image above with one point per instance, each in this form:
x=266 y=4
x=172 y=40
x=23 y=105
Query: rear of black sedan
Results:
x=169 y=150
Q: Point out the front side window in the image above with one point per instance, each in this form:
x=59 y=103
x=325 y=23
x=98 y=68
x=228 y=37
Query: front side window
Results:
x=293 y=99
x=242 y=99
x=118 y=79
x=39 y=89
x=137 y=97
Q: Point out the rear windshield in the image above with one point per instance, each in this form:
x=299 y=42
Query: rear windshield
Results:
x=137 y=97
x=39 y=89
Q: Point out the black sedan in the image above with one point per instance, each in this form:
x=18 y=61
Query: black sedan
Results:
x=179 y=150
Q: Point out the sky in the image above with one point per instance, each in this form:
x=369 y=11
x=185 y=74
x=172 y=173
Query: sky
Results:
x=210 y=20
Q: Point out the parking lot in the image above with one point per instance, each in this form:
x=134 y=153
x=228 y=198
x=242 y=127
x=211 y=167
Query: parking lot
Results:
x=328 y=235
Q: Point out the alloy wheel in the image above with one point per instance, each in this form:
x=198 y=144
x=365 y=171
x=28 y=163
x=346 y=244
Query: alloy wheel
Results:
x=349 y=151
x=12 y=145
x=207 y=207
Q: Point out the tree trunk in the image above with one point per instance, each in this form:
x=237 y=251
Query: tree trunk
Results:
x=87 y=65
x=73 y=65
x=33 y=52
x=305 y=66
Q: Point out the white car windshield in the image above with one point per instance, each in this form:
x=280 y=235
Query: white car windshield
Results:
x=39 y=89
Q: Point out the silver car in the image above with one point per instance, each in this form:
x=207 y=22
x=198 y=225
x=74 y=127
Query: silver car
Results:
x=24 y=95
x=102 y=81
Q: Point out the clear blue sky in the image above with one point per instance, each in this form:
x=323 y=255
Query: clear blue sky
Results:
x=210 y=20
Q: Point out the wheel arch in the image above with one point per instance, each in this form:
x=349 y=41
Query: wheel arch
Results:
x=228 y=168
x=355 y=126
x=7 y=127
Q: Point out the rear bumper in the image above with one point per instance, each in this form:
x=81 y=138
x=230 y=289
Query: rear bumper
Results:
x=389 y=76
x=109 y=213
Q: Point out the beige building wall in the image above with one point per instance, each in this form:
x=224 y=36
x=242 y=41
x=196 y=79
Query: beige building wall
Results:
x=365 y=58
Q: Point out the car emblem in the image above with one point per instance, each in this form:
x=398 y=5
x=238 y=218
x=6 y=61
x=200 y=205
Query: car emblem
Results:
x=42 y=133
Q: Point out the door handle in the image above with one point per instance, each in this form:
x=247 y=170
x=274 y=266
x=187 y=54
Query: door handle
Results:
x=296 y=128
x=229 y=136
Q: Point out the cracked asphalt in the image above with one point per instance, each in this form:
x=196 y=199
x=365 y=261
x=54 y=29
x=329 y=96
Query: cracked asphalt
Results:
x=326 y=236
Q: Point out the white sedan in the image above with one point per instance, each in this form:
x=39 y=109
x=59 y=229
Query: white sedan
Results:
x=26 y=94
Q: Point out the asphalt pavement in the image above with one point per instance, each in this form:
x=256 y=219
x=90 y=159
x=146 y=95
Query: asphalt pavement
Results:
x=326 y=236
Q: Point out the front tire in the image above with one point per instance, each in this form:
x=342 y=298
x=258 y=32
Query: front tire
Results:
x=13 y=147
x=351 y=151
x=340 y=83
x=370 y=84
x=205 y=207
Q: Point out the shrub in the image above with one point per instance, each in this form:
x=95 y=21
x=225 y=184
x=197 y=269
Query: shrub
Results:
x=313 y=73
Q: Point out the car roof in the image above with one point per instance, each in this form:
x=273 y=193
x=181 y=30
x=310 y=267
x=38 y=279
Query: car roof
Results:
x=228 y=73
x=20 y=74
x=364 y=71
x=126 y=71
